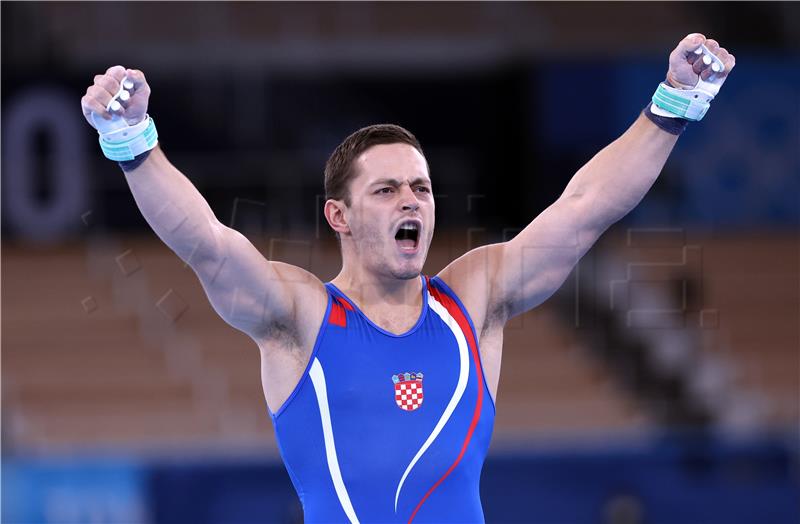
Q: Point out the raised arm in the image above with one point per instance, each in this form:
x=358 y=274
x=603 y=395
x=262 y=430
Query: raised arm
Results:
x=535 y=263
x=517 y=275
x=248 y=291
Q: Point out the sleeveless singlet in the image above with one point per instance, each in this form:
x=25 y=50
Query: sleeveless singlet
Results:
x=389 y=428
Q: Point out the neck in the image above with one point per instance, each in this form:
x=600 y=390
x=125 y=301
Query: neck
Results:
x=369 y=290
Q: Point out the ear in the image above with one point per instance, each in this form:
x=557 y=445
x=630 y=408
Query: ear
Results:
x=335 y=215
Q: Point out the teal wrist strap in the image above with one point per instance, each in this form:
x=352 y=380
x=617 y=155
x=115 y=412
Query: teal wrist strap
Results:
x=679 y=106
x=120 y=147
x=691 y=104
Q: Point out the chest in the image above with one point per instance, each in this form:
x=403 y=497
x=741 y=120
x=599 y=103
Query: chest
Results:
x=368 y=363
x=396 y=320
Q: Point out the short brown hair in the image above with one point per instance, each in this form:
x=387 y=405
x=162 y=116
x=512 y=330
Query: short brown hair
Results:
x=339 y=167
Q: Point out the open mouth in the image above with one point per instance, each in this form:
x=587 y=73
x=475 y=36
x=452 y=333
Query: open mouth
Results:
x=407 y=236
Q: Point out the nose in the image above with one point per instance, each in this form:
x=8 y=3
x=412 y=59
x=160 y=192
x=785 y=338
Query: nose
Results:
x=408 y=200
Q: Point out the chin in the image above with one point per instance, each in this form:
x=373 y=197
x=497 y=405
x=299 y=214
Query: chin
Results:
x=407 y=271
x=407 y=274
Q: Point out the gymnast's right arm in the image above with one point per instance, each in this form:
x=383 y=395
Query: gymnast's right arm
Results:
x=247 y=290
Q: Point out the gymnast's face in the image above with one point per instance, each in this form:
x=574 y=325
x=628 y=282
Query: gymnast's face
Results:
x=391 y=213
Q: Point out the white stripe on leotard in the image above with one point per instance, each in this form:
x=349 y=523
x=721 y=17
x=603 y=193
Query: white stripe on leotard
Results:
x=318 y=378
x=461 y=385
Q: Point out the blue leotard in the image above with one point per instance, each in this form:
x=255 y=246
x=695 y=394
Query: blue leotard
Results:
x=385 y=427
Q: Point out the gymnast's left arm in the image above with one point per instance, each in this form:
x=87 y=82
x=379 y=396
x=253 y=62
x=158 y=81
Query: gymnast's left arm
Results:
x=533 y=265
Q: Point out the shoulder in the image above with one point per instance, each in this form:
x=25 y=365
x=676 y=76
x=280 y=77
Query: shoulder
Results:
x=471 y=277
x=309 y=299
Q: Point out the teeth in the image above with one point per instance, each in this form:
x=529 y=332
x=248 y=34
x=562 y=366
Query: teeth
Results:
x=412 y=227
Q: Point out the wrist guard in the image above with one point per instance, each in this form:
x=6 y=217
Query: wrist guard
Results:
x=691 y=104
x=127 y=142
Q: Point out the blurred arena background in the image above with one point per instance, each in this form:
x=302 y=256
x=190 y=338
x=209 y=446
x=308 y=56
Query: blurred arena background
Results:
x=659 y=385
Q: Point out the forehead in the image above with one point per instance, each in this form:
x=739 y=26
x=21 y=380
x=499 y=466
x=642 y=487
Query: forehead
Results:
x=399 y=161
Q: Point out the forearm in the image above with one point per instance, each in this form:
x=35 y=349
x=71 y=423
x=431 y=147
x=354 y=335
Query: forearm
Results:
x=174 y=208
x=613 y=182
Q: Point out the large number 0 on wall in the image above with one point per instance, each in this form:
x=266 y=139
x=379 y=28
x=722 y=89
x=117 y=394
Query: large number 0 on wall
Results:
x=56 y=114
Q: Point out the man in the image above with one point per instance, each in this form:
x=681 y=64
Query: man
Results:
x=381 y=383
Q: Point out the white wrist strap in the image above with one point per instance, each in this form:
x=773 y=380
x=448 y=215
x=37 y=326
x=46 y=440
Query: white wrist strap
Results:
x=125 y=143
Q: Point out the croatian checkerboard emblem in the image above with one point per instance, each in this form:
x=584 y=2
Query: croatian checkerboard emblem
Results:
x=408 y=390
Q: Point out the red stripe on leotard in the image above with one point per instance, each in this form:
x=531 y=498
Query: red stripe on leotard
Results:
x=338 y=316
x=458 y=315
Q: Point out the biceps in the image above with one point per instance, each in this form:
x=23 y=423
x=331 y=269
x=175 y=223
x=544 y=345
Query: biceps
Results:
x=242 y=285
x=531 y=274
x=537 y=261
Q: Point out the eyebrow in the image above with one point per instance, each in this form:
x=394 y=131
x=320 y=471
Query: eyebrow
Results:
x=396 y=183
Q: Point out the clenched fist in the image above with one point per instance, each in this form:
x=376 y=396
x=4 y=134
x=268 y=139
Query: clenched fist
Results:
x=686 y=67
x=105 y=86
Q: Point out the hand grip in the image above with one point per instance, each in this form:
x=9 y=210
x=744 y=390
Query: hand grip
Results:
x=710 y=58
x=116 y=123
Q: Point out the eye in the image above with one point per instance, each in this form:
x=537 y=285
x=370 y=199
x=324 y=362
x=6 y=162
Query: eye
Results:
x=384 y=191
x=423 y=189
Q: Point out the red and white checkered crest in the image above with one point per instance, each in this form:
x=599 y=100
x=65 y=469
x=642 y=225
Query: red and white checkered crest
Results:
x=408 y=390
